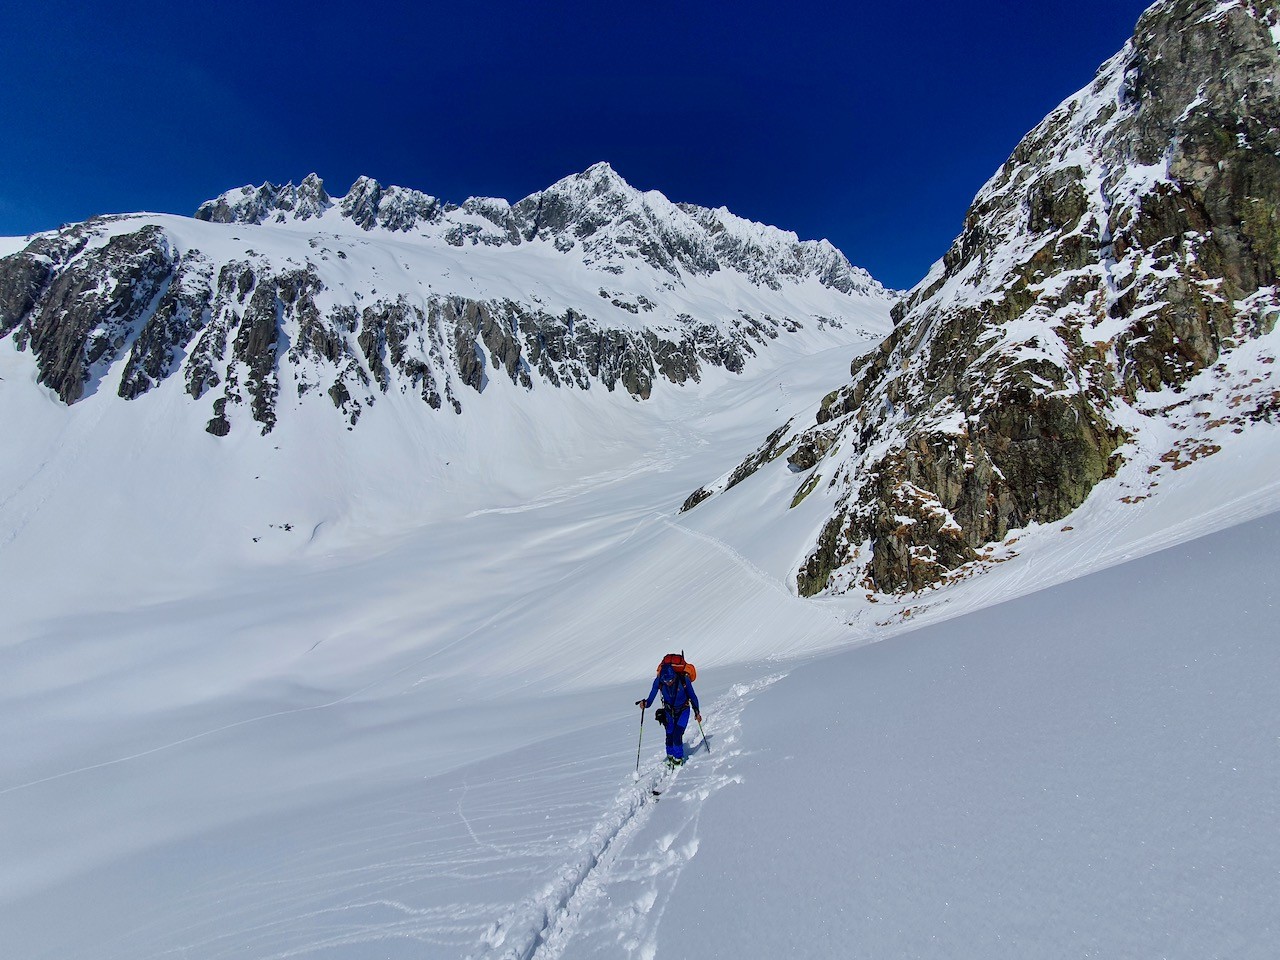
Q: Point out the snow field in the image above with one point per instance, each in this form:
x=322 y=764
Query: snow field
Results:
x=218 y=750
x=404 y=728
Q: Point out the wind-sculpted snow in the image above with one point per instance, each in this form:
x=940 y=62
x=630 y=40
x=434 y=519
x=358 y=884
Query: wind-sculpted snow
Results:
x=1129 y=245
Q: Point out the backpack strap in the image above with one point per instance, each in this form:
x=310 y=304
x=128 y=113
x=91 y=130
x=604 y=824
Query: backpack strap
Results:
x=682 y=684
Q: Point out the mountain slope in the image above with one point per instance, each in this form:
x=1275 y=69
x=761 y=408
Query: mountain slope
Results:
x=1087 y=771
x=424 y=744
x=276 y=295
x=1105 y=291
x=295 y=382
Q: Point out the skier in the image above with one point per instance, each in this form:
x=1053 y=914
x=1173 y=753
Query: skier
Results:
x=677 y=696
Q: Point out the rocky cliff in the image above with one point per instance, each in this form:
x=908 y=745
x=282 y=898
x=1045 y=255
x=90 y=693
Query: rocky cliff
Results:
x=1130 y=242
x=277 y=288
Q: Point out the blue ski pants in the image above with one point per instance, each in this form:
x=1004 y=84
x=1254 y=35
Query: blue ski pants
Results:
x=676 y=722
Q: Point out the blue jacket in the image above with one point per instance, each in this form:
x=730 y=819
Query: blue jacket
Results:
x=675 y=696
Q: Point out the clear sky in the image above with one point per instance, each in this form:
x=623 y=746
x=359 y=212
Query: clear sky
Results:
x=872 y=125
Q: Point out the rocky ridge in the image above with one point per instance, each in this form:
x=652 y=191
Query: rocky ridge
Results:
x=1128 y=246
x=596 y=216
x=277 y=288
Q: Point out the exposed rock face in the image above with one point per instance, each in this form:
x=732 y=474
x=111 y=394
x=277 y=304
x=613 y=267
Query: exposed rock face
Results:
x=1130 y=239
x=75 y=304
x=269 y=202
x=355 y=298
x=368 y=205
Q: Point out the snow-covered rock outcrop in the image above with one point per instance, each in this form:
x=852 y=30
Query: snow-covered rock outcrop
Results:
x=1128 y=246
x=595 y=215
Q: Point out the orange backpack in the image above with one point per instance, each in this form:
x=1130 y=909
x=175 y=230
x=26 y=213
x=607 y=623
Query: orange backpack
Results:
x=680 y=665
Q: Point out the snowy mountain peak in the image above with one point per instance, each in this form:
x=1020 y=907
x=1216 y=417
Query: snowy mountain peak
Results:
x=600 y=177
x=596 y=216
x=390 y=290
x=249 y=204
x=599 y=185
x=398 y=209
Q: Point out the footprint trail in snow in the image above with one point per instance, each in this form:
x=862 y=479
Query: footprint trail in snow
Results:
x=608 y=898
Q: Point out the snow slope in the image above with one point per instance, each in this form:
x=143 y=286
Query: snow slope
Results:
x=1088 y=771
x=409 y=732
x=197 y=717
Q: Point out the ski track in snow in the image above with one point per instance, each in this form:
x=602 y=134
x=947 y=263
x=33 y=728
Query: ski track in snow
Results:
x=621 y=877
x=583 y=487
x=747 y=566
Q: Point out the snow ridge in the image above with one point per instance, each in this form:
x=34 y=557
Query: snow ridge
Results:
x=603 y=221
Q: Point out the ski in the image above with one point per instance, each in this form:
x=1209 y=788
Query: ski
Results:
x=666 y=779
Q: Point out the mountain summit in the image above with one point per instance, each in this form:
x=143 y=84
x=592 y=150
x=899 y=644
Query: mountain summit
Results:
x=595 y=215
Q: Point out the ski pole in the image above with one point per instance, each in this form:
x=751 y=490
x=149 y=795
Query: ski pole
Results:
x=703 y=732
x=640 y=741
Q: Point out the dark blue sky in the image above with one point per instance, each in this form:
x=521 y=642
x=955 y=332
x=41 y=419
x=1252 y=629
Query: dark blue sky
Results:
x=873 y=126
